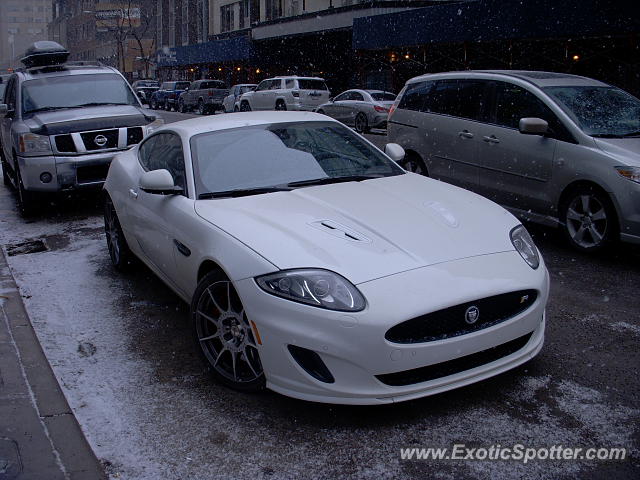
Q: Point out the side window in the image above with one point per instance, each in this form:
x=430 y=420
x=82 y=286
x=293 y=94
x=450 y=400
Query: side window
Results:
x=513 y=103
x=164 y=150
x=357 y=96
x=415 y=96
x=276 y=84
x=264 y=85
x=342 y=96
x=458 y=98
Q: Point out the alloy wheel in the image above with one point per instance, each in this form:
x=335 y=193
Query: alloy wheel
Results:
x=361 y=123
x=225 y=335
x=587 y=221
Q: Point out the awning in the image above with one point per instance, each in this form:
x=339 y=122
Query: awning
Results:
x=216 y=51
x=493 y=20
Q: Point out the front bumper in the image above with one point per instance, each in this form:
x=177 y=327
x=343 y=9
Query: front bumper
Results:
x=67 y=172
x=353 y=346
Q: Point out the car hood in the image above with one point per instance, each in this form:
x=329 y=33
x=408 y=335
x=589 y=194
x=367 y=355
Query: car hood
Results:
x=80 y=119
x=627 y=150
x=365 y=230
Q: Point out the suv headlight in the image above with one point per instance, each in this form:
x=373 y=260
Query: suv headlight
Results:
x=153 y=126
x=34 y=144
x=319 y=288
x=631 y=173
x=523 y=243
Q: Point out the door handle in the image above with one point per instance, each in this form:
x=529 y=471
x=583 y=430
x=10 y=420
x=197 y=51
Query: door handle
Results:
x=465 y=134
x=491 y=139
x=133 y=193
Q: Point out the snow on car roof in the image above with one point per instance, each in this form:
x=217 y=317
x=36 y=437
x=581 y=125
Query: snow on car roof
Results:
x=195 y=126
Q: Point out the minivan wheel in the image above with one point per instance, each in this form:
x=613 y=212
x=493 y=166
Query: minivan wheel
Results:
x=413 y=163
x=225 y=335
x=361 y=123
x=588 y=219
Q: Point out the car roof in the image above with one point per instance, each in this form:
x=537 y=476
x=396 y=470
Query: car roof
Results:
x=295 y=76
x=540 y=79
x=198 y=125
x=64 y=70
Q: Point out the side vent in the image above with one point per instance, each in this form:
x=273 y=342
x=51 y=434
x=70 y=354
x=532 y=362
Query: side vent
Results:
x=340 y=231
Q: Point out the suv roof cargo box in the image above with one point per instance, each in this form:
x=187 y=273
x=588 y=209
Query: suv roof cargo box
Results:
x=45 y=53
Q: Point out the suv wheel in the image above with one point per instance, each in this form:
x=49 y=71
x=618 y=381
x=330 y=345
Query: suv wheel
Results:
x=6 y=178
x=361 y=124
x=167 y=107
x=153 y=105
x=280 y=105
x=181 y=107
x=202 y=108
x=27 y=201
x=589 y=219
x=245 y=107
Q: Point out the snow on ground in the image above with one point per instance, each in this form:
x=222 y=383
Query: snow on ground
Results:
x=119 y=347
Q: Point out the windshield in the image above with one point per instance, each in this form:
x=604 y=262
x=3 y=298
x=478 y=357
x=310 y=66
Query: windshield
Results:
x=382 y=96
x=182 y=85
x=247 y=88
x=599 y=111
x=74 y=91
x=306 y=84
x=278 y=154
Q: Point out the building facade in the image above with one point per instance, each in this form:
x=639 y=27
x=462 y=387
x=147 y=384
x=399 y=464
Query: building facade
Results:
x=22 y=22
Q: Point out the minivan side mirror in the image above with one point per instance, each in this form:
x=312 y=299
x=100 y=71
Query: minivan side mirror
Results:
x=159 y=182
x=394 y=151
x=4 y=109
x=533 y=126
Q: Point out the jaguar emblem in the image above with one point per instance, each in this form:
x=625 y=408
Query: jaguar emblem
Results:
x=472 y=315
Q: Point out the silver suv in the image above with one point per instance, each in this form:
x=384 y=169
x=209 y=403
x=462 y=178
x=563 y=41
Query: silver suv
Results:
x=286 y=93
x=61 y=124
x=552 y=148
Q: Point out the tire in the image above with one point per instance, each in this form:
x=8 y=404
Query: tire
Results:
x=588 y=219
x=27 y=201
x=224 y=334
x=361 y=123
x=202 y=108
x=167 y=107
x=119 y=251
x=153 y=105
x=235 y=108
x=245 y=107
x=413 y=163
x=181 y=107
x=280 y=105
x=6 y=178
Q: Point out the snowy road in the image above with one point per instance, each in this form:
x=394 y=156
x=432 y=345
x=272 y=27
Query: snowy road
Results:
x=121 y=349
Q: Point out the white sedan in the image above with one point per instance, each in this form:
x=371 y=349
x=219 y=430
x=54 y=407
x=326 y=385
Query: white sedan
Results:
x=318 y=268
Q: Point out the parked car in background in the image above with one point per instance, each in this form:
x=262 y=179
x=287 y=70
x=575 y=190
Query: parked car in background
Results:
x=231 y=102
x=361 y=109
x=286 y=93
x=282 y=232
x=167 y=96
x=3 y=85
x=553 y=148
x=144 y=89
x=61 y=124
x=205 y=96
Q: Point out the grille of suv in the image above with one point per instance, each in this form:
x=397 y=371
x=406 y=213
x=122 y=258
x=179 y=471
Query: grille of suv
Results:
x=457 y=365
x=452 y=321
x=134 y=135
x=89 y=139
x=64 y=143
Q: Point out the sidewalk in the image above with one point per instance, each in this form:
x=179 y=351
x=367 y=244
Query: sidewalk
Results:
x=39 y=436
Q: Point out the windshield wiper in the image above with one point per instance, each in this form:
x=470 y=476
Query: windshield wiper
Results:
x=327 y=180
x=98 y=104
x=241 y=192
x=45 y=109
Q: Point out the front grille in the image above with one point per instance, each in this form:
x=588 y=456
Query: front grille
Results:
x=92 y=173
x=89 y=139
x=457 y=365
x=64 y=144
x=134 y=135
x=452 y=322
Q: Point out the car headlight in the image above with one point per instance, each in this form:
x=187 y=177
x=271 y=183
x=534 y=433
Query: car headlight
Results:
x=34 y=144
x=523 y=243
x=631 y=173
x=319 y=288
x=153 y=126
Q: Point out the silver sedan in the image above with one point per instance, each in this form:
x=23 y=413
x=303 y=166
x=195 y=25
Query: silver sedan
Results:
x=361 y=109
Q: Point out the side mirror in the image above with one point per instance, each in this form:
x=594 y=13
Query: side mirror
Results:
x=394 y=151
x=4 y=109
x=533 y=126
x=159 y=182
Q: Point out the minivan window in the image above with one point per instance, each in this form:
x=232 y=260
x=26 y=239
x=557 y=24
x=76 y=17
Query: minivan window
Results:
x=514 y=102
x=458 y=98
x=308 y=84
x=599 y=111
x=415 y=96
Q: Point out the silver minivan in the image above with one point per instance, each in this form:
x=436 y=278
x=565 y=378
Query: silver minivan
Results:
x=552 y=148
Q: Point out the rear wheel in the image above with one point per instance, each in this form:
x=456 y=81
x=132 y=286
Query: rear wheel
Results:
x=589 y=219
x=245 y=107
x=202 y=108
x=413 y=163
x=280 y=105
x=225 y=335
x=361 y=123
x=119 y=251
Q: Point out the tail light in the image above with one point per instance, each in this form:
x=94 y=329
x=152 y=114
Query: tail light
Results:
x=211 y=93
x=380 y=109
x=295 y=94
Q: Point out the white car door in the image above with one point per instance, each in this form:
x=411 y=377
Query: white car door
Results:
x=258 y=99
x=150 y=214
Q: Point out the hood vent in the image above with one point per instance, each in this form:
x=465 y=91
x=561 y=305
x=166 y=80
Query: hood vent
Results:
x=340 y=231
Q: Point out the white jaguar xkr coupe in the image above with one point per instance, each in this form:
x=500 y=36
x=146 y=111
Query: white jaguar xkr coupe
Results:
x=318 y=268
